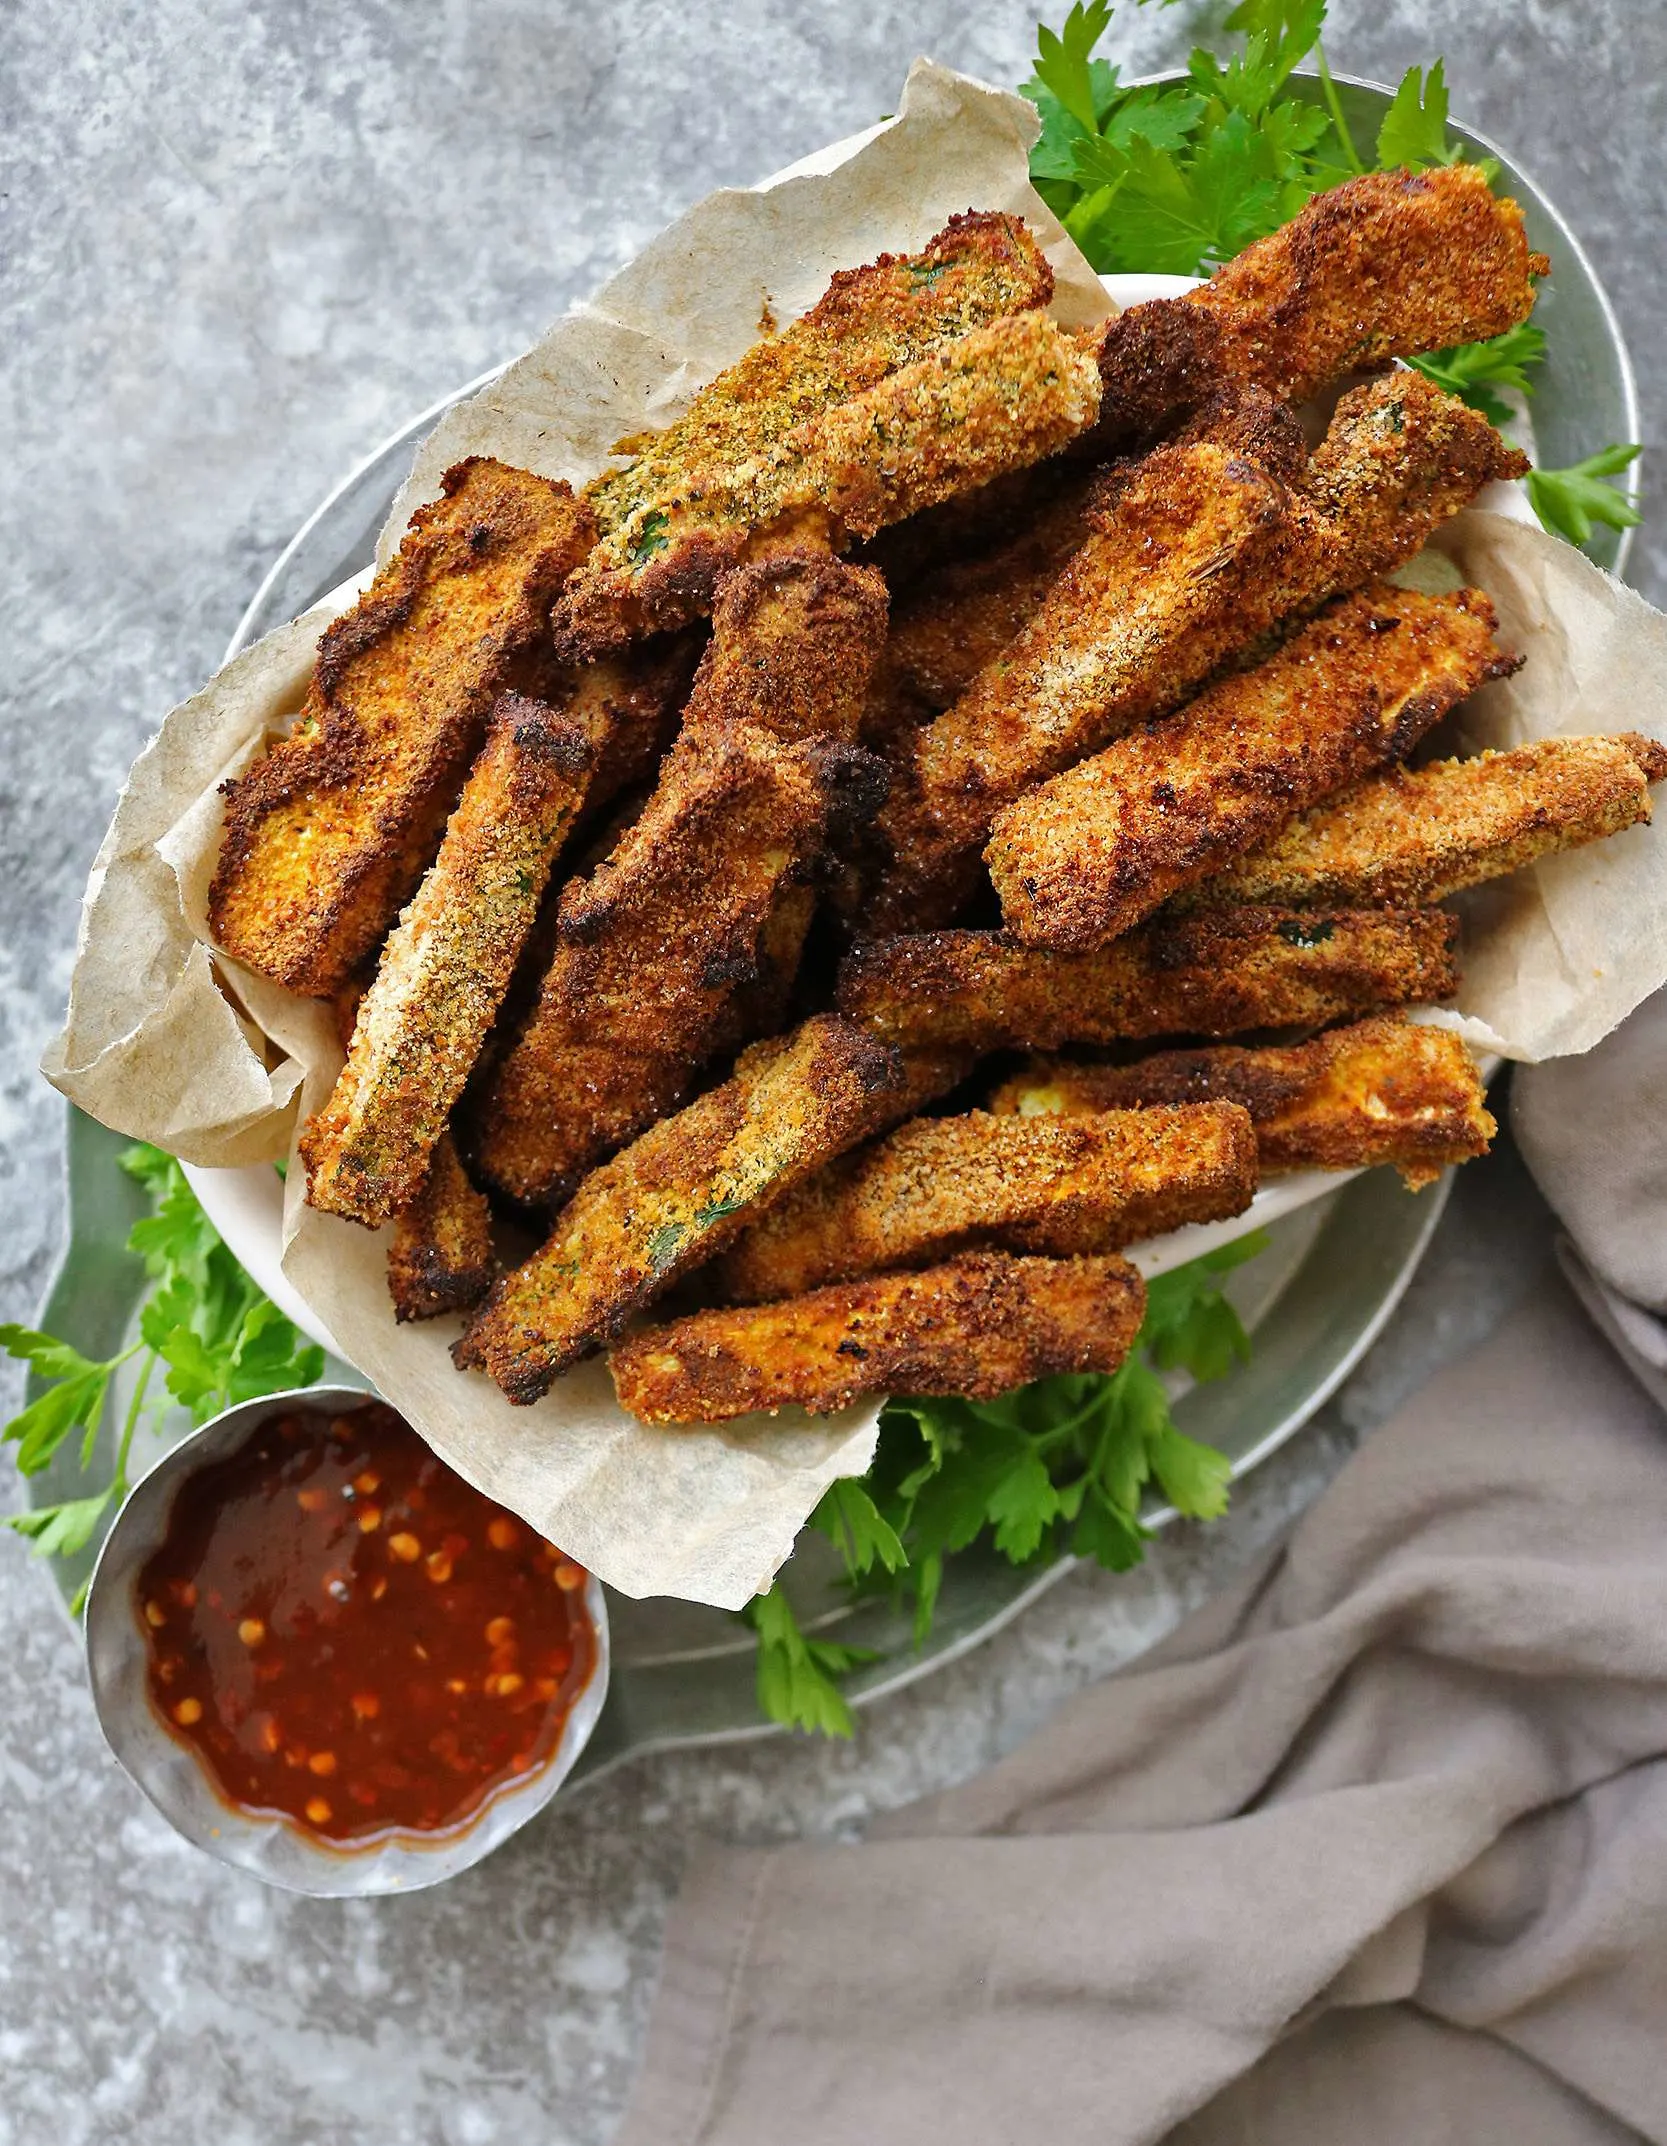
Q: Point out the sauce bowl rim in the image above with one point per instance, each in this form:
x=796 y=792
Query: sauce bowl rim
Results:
x=173 y=1778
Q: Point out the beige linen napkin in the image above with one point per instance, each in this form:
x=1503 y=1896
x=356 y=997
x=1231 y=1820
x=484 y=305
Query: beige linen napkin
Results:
x=1594 y=1132
x=1374 y=1848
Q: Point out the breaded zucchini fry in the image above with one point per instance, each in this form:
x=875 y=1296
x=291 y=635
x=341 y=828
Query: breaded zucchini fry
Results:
x=1220 y=973
x=868 y=323
x=441 y=1257
x=1384 y=1090
x=997 y=399
x=327 y=836
x=446 y=967
x=977 y=1326
x=1419 y=836
x=938 y=1186
x=795 y=639
x=693 y=925
x=652 y=953
x=1083 y=857
x=1194 y=555
x=677 y=1196
x=1384 y=266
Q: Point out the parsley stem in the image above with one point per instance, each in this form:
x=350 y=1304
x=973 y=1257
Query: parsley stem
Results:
x=132 y=1423
x=1334 y=105
x=1057 y=1433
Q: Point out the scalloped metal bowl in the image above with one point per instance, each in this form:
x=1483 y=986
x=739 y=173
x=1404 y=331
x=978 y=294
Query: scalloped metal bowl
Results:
x=171 y=1775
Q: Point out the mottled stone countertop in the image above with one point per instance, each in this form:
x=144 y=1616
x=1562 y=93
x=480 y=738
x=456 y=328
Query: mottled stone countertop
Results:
x=243 y=241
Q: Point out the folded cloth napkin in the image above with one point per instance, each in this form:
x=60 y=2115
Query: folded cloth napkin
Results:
x=1594 y=1132
x=1373 y=1848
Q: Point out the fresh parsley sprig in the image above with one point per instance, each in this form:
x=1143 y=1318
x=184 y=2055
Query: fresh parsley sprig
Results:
x=1174 y=178
x=1060 y=1466
x=1568 y=501
x=219 y=1339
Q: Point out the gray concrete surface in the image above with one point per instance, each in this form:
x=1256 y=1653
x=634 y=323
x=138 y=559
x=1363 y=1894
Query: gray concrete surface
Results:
x=243 y=240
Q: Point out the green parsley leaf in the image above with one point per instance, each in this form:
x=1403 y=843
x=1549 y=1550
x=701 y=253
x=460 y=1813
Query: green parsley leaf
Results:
x=1163 y=114
x=796 y=1675
x=204 y=1320
x=153 y=1167
x=1290 y=26
x=52 y=1358
x=270 y=1355
x=857 y=1528
x=76 y=1403
x=1194 y=1477
x=61 y=1530
x=1414 y=130
x=1062 y=59
x=1022 y=1506
x=1473 y=370
x=1234 y=186
x=1568 y=501
x=1108 y=1534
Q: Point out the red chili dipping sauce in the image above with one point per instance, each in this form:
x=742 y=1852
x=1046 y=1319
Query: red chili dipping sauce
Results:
x=347 y=1634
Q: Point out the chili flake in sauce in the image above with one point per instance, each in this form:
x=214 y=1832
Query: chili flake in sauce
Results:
x=349 y=1635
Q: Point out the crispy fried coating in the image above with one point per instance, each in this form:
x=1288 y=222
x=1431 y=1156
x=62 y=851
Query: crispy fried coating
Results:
x=795 y=638
x=1219 y=973
x=1383 y=266
x=1384 y=1090
x=445 y=968
x=977 y=1326
x=687 y=938
x=868 y=323
x=1109 y=643
x=441 y=1257
x=1419 y=836
x=938 y=1186
x=328 y=834
x=963 y=613
x=999 y=398
x=1193 y=555
x=1083 y=857
x=677 y=1196
x=653 y=951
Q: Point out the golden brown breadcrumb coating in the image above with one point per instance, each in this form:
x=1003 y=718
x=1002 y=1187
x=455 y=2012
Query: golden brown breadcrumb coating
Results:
x=446 y=966
x=328 y=834
x=1384 y=1090
x=1083 y=857
x=1194 y=554
x=977 y=1326
x=677 y=1196
x=997 y=399
x=938 y=1186
x=868 y=323
x=441 y=1257
x=1419 y=836
x=1219 y=973
x=689 y=933
x=1384 y=266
